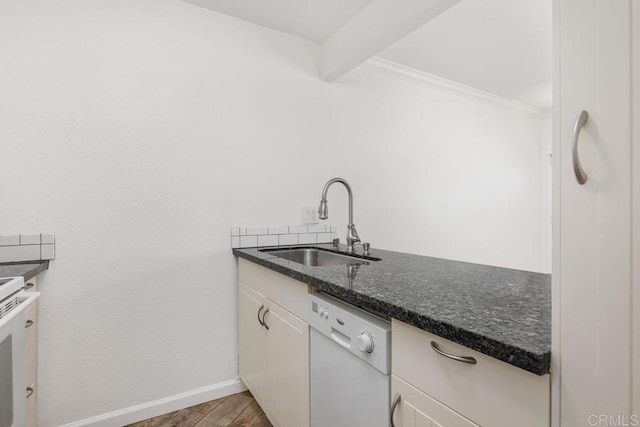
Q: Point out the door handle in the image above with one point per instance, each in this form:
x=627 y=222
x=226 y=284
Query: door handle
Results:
x=394 y=405
x=581 y=175
x=264 y=322
x=463 y=359
x=259 y=311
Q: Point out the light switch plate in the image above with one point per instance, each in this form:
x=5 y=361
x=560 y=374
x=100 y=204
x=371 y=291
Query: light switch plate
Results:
x=309 y=215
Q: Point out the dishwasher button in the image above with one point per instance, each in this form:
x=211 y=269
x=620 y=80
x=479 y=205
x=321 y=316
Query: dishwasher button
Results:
x=326 y=314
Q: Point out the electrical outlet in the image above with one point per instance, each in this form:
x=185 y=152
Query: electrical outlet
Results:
x=309 y=215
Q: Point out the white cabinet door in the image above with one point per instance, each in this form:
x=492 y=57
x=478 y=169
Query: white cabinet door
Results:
x=592 y=238
x=31 y=341
x=252 y=342
x=636 y=206
x=416 y=409
x=287 y=368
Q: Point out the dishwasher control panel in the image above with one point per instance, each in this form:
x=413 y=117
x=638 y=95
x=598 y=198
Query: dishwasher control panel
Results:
x=362 y=334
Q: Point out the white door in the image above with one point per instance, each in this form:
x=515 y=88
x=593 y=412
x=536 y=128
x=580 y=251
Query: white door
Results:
x=635 y=365
x=287 y=384
x=252 y=341
x=12 y=369
x=416 y=409
x=592 y=222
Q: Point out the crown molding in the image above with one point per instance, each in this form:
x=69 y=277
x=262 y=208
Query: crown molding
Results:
x=411 y=75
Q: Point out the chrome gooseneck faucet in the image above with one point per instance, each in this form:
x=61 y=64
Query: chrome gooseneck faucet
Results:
x=323 y=212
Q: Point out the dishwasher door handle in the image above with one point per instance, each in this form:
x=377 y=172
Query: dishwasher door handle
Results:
x=340 y=339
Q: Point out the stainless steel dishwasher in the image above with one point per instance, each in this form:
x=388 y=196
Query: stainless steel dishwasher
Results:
x=350 y=365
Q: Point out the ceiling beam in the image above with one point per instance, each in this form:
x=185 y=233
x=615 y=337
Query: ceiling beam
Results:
x=376 y=27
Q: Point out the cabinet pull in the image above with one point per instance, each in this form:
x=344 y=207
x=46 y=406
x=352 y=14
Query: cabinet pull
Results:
x=29 y=392
x=259 y=311
x=264 y=322
x=463 y=359
x=394 y=405
x=28 y=323
x=581 y=176
x=28 y=286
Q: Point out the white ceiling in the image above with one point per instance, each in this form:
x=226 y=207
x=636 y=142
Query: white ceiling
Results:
x=499 y=46
x=314 y=20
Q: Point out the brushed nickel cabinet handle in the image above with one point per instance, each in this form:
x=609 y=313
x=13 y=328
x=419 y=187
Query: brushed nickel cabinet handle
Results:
x=29 y=392
x=394 y=405
x=259 y=311
x=581 y=175
x=28 y=323
x=264 y=322
x=464 y=359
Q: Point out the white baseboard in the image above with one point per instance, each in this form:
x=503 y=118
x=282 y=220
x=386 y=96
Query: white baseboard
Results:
x=162 y=406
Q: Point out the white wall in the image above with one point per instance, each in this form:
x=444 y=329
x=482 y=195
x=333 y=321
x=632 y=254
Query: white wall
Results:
x=140 y=131
x=440 y=174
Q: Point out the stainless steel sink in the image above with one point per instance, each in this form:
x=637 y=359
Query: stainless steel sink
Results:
x=315 y=257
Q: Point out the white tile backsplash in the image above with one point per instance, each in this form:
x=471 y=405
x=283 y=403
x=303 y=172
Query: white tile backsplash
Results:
x=19 y=253
x=306 y=239
x=278 y=230
x=297 y=229
x=27 y=247
x=287 y=239
x=47 y=238
x=30 y=239
x=10 y=240
x=269 y=240
x=248 y=241
x=254 y=231
x=324 y=237
x=47 y=252
x=281 y=235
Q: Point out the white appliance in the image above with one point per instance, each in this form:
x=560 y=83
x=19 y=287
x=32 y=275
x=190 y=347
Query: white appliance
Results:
x=13 y=304
x=350 y=365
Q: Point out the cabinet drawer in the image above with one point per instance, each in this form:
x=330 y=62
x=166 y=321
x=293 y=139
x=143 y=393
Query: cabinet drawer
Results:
x=491 y=392
x=416 y=409
x=289 y=293
x=252 y=275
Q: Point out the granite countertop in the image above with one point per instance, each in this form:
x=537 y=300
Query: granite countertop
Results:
x=500 y=312
x=27 y=270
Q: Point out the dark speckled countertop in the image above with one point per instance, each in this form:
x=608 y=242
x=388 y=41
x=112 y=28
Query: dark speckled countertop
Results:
x=27 y=270
x=500 y=312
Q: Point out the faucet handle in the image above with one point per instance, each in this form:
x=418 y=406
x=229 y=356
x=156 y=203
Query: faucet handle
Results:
x=365 y=247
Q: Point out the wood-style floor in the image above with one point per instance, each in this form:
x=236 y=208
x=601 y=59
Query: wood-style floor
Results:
x=236 y=410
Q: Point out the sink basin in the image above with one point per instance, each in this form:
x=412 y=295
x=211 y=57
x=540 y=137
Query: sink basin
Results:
x=316 y=257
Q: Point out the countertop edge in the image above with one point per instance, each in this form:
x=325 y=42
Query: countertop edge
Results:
x=537 y=363
x=39 y=267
